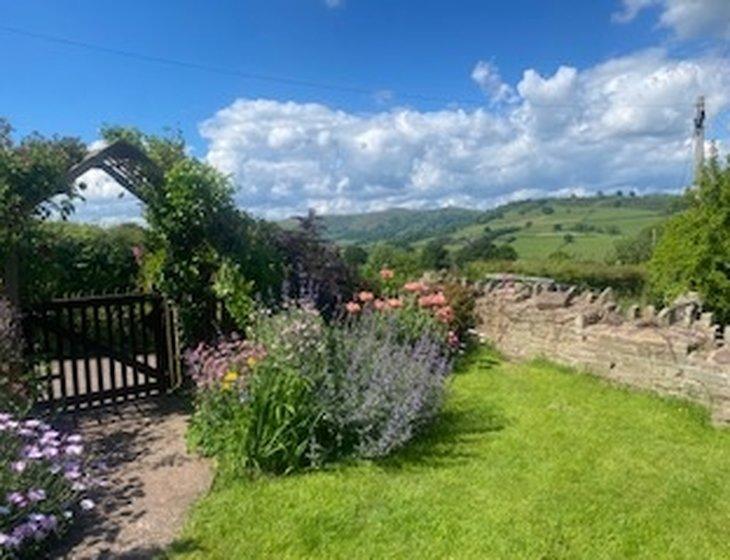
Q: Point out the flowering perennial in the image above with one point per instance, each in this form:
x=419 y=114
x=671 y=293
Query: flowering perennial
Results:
x=223 y=364
x=44 y=478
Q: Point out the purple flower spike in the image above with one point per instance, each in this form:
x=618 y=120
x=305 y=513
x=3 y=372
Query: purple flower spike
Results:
x=17 y=499
x=37 y=495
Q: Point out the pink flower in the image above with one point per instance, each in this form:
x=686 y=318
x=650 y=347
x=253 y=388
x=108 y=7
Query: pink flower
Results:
x=395 y=303
x=433 y=300
x=353 y=308
x=387 y=274
x=414 y=287
x=365 y=296
x=445 y=314
x=380 y=304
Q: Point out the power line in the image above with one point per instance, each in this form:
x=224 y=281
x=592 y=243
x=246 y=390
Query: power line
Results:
x=223 y=70
x=288 y=80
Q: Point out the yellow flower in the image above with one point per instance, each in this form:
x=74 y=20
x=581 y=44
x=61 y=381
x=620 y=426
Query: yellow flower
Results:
x=251 y=361
x=229 y=379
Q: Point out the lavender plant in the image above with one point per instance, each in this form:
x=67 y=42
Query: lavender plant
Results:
x=44 y=479
x=379 y=390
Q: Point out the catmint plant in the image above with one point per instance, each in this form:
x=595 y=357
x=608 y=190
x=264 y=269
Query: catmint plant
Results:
x=381 y=390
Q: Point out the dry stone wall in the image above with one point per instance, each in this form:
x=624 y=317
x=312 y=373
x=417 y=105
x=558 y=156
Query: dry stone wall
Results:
x=676 y=351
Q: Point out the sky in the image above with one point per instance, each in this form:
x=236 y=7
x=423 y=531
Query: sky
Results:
x=359 y=105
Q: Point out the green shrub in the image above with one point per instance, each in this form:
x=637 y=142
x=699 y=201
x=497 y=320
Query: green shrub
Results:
x=639 y=248
x=484 y=248
x=694 y=251
x=60 y=258
x=268 y=421
x=435 y=255
x=405 y=264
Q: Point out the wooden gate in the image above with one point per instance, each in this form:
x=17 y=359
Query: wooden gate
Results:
x=100 y=350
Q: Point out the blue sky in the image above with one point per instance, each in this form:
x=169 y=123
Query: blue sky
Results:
x=459 y=102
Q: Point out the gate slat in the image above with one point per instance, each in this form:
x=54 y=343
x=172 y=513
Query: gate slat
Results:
x=86 y=362
x=100 y=372
x=60 y=346
x=122 y=346
x=133 y=342
x=111 y=360
x=73 y=347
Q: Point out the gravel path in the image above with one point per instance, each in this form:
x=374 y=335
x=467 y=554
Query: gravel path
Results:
x=152 y=481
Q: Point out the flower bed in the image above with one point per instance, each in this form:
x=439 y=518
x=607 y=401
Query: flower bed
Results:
x=300 y=392
x=44 y=480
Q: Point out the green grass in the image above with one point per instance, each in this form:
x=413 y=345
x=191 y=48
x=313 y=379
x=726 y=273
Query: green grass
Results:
x=527 y=461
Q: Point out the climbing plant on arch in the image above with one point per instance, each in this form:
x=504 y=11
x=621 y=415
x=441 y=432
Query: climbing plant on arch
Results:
x=200 y=247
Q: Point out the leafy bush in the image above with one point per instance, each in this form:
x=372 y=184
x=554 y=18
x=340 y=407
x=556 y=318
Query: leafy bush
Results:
x=639 y=248
x=484 y=248
x=43 y=480
x=255 y=405
x=314 y=267
x=61 y=258
x=694 y=251
x=435 y=255
x=405 y=264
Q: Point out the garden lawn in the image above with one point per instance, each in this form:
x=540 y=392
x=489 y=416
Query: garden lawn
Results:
x=527 y=461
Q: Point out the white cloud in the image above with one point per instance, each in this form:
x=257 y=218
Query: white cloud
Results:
x=487 y=77
x=333 y=3
x=624 y=123
x=686 y=18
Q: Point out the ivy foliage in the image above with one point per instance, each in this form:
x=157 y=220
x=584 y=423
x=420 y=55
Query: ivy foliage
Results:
x=200 y=248
x=694 y=250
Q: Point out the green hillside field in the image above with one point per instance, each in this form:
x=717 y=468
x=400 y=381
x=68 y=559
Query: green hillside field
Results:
x=584 y=228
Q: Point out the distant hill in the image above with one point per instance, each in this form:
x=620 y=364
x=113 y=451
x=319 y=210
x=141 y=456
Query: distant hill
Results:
x=585 y=228
x=396 y=225
x=582 y=227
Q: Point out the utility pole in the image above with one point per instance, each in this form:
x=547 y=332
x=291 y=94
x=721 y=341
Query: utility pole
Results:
x=698 y=138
